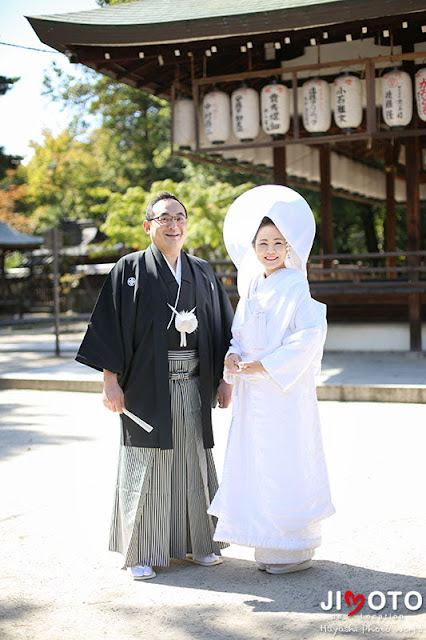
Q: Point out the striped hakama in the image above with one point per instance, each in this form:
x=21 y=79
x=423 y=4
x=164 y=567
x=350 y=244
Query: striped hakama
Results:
x=162 y=496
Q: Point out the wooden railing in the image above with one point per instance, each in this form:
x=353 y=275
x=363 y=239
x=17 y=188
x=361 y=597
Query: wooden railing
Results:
x=363 y=273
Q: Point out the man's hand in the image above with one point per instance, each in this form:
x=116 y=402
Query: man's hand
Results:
x=112 y=394
x=224 y=393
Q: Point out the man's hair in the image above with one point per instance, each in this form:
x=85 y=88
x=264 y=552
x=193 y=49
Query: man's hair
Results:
x=164 y=195
x=265 y=222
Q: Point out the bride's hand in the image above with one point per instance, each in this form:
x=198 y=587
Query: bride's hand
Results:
x=252 y=366
x=231 y=362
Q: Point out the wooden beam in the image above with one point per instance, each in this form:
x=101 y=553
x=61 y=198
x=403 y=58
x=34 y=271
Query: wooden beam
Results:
x=323 y=139
x=266 y=73
x=295 y=107
x=267 y=173
x=412 y=157
x=326 y=203
x=390 y=221
x=280 y=172
x=370 y=82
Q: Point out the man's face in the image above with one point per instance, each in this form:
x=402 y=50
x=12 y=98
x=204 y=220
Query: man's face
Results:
x=169 y=238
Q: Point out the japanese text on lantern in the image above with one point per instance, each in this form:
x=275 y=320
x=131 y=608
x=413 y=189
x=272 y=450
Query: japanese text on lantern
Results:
x=311 y=105
x=208 y=117
x=389 y=104
x=341 y=104
x=239 y=113
x=271 y=112
x=422 y=93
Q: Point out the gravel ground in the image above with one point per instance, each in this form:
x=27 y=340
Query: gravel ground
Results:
x=58 y=582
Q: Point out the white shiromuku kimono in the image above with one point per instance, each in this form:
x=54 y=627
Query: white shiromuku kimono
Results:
x=275 y=490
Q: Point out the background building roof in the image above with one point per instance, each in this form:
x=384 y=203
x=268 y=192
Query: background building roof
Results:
x=14 y=240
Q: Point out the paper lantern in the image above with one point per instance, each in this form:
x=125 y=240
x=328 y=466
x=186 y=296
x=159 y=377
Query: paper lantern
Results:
x=347 y=102
x=275 y=108
x=217 y=116
x=421 y=93
x=245 y=113
x=316 y=106
x=184 y=123
x=397 y=98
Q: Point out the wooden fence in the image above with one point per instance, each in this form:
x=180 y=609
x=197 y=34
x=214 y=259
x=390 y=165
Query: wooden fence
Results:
x=373 y=280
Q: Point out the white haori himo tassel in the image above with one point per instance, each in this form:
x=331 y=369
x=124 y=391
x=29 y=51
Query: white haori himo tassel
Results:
x=185 y=322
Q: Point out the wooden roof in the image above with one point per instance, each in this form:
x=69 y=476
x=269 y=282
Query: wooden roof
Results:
x=155 y=45
x=147 y=43
x=15 y=240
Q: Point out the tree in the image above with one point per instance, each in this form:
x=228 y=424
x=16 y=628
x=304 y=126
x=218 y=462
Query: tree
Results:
x=130 y=142
x=62 y=179
x=11 y=196
x=7 y=161
x=6 y=84
x=206 y=206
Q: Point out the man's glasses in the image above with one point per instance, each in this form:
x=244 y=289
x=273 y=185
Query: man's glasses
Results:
x=165 y=220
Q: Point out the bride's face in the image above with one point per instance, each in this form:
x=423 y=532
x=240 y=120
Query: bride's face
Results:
x=270 y=248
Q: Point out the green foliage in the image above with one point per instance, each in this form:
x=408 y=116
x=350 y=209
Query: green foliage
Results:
x=115 y=157
x=206 y=208
x=12 y=259
x=125 y=217
x=60 y=179
x=7 y=161
x=6 y=84
x=132 y=134
x=355 y=227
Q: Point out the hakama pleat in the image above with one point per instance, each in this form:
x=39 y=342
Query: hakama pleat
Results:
x=162 y=496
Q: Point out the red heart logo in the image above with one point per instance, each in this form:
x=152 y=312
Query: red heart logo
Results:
x=360 y=598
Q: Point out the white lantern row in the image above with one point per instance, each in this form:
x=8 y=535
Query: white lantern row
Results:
x=241 y=115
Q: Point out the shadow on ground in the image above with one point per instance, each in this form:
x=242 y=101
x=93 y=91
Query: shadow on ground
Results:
x=302 y=592
x=21 y=433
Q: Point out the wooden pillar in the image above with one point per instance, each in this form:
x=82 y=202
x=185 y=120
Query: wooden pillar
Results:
x=280 y=170
x=2 y=274
x=390 y=222
x=370 y=82
x=412 y=165
x=326 y=203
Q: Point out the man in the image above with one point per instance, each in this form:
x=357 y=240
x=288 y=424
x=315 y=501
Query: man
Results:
x=164 y=366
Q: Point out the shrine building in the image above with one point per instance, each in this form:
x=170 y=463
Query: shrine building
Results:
x=327 y=94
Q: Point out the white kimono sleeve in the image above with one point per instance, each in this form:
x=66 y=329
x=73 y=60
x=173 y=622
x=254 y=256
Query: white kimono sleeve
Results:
x=303 y=347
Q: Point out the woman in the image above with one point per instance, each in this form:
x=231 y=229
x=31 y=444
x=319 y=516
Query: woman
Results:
x=274 y=491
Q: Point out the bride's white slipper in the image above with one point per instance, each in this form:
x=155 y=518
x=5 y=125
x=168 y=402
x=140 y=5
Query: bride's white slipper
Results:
x=288 y=568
